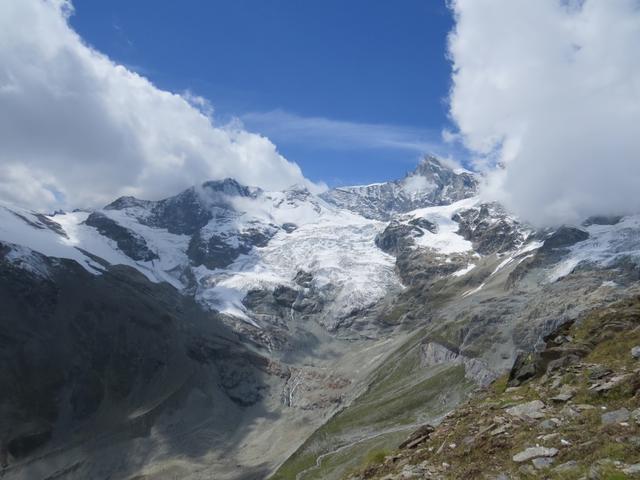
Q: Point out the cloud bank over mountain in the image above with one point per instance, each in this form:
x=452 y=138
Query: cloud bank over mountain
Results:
x=551 y=89
x=77 y=129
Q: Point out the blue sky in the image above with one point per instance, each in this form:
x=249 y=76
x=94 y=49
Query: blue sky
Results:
x=353 y=91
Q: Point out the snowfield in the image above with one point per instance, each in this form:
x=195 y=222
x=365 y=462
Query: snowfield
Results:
x=445 y=240
x=339 y=251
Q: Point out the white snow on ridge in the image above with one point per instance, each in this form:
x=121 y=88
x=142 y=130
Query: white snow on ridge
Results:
x=605 y=245
x=171 y=248
x=464 y=271
x=16 y=230
x=445 y=240
x=79 y=237
x=518 y=255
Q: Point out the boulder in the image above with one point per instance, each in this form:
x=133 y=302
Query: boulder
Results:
x=616 y=416
x=534 y=452
x=417 y=437
x=524 y=368
x=529 y=410
x=562 y=397
x=565 y=237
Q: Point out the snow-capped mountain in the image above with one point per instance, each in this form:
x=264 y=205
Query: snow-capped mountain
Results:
x=330 y=257
x=274 y=304
x=432 y=183
x=220 y=241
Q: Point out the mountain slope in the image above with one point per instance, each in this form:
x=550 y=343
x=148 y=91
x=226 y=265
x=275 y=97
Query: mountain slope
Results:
x=324 y=326
x=570 y=411
x=90 y=361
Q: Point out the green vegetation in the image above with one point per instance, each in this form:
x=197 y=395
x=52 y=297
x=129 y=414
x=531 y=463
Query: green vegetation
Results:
x=480 y=438
x=375 y=457
x=401 y=395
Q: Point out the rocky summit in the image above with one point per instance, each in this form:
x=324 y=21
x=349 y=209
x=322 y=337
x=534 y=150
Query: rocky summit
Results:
x=407 y=329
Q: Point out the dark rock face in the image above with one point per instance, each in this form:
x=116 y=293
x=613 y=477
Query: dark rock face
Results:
x=489 y=228
x=133 y=245
x=553 y=250
x=128 y=202
x=417 y=267
x=564 y=237
x=602 y=220
x=285 y=296
x=525 y=367
x=452 y=186
x=73 y=344
x=424 y=224
x=183 y=214
x=304 y=279
x=220 y=251
x=417 y=437
x=559 y=352
x=51 y=225
x=277 y=305
x=397 y=237
x=187 y=214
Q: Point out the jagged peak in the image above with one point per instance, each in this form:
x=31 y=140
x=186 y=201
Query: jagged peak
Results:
x=431 y=165
x=228 y=186
x=126 y=201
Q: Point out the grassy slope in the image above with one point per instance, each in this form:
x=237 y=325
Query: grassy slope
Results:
x=401 y=394
x=608 y=335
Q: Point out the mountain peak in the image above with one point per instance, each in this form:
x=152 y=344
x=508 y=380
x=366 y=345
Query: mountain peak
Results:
x=433 y=182
x=228 y=186
x=431 y=165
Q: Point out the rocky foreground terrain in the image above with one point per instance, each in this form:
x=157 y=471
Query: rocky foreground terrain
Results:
x=569 y=411
x=234 y=333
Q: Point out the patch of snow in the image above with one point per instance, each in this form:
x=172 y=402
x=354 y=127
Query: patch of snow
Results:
x=473 y=290
x=503 y=264
x=36 y=237
x=27 y=259
x=446 y=240
x=464 y=271
x=606 y=245
x=530 y=247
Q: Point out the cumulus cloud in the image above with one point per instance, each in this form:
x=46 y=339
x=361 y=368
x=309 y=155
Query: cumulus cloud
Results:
x=77 y=129
x=551 y=90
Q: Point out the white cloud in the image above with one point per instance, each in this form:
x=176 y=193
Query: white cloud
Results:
x=414 y=184
x=77 y=129
x=551 y=88
x=326 y=133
